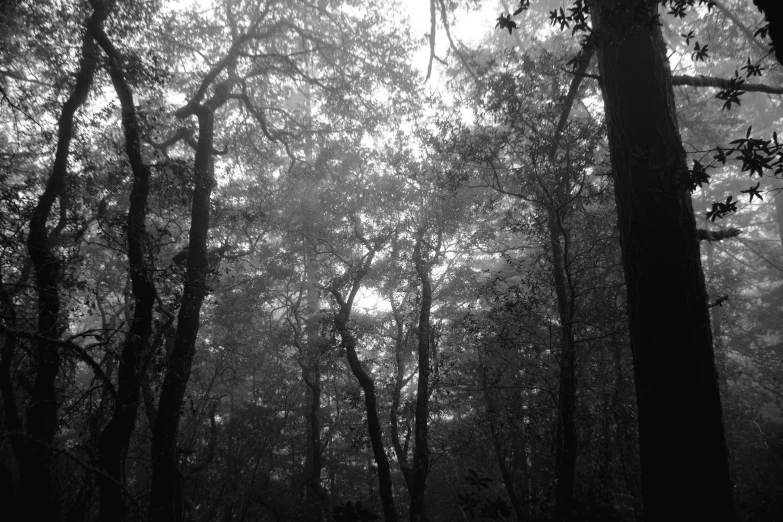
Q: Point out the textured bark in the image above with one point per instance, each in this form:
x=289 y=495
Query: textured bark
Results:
x=348 y=343
x=421 y=452
x=685 y=474
x=773 y=12
x=166 y=498
x=115 y=437
x=38 y=490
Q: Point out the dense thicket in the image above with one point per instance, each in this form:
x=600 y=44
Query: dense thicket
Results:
x=257 y=265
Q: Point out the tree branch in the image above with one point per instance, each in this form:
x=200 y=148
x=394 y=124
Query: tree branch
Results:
x=717 y=235
x=722 y=83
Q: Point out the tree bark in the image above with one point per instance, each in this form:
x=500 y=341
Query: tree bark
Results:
x=166 y=497
x=565 y=455
x=779 y=215
x=115 y=437
x=38 y=490
x=309 y=345
x=348 y=343
x=557 y=199
x=399 y=379
x=421 y=452
x=773 y=12
x=684 y=460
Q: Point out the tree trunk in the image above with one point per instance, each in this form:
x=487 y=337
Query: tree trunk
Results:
x=421 y=452
x=497 y=443
x=166 y=498
x=115 y=437
x=565 y=455
x=779 y=214
x=348 y=343
x=318 y=500
x=399 y=377
x=685 y=473
x=38 y=490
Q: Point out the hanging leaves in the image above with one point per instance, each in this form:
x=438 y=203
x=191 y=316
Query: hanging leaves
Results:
x=753 y=192
x=506 y=23
x=720 y=210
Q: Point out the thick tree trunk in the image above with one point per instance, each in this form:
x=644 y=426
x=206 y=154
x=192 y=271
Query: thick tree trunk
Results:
x=38 y=490
x=421 y=452
x=685 y=473
x=779 y=215
x=115 y=437
x=166 y=498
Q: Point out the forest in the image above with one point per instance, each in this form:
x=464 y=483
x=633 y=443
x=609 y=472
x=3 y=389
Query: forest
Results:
x=347 y=261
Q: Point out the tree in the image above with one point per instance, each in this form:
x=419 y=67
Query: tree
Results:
x=134 y=357
x=33 y=448
x=667 y=301
x=671 y=338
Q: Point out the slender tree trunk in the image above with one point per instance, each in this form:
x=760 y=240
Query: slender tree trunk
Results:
x=421 y=452
x=318 y=500
x=521 y=474
x=565 y=455
x=115 y=437
x=556 y=208
x=399 y=377
x=400 y=450
x=166 y=498
x=348 y=343
x=497 y=443
x=38 y=490
x=684 y=461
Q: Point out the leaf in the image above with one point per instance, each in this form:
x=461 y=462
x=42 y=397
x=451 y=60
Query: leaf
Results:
x=699 y=52
x=506 y=23
x=524 y=5
x=753 y=192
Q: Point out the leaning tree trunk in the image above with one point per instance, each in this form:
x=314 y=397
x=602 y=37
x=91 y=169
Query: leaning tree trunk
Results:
x=38 y=495
x=684 y=464
x=348 y=343
x=115 y=437
x=166 y=497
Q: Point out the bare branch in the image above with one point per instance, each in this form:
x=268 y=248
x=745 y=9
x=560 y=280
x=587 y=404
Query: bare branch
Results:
x=723 y=83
